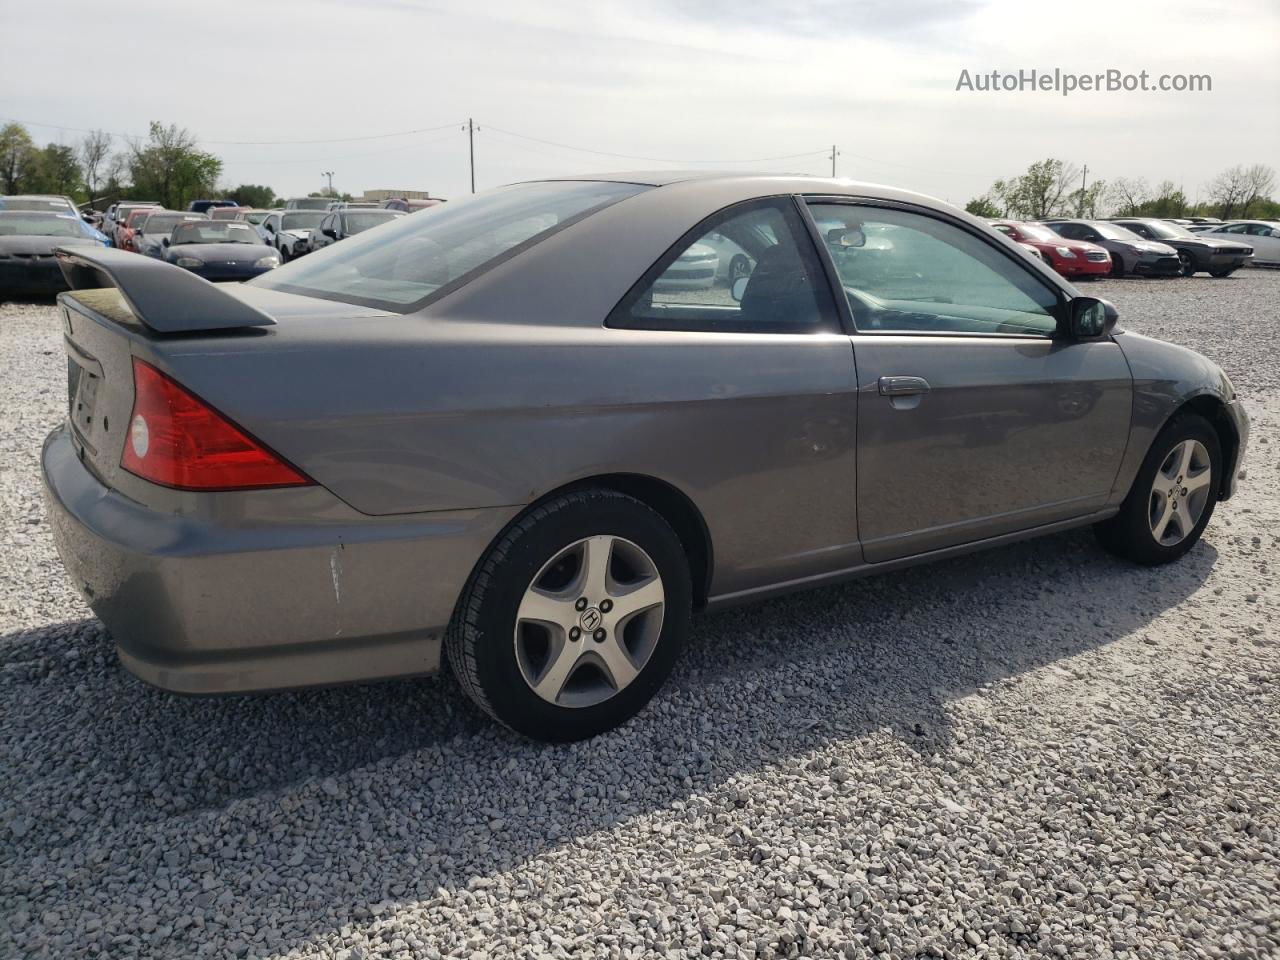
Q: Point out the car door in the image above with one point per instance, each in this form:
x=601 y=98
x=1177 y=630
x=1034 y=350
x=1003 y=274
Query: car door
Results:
x=975 y=417
x=1265 y=240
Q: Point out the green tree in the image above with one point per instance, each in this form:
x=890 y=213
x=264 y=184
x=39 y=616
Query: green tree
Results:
x=17 y=158
x=983 y=207
x=170 y=169
x=253 y=195
x=56 y=171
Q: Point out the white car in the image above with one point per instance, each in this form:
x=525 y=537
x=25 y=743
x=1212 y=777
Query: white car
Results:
x=695 y=269
x=289 y=231
x=1262 y=235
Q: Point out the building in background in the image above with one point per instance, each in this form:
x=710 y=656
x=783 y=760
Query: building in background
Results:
x=380 y=195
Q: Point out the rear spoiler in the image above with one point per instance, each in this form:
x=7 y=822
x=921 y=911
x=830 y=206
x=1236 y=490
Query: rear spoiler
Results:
x=165 y=298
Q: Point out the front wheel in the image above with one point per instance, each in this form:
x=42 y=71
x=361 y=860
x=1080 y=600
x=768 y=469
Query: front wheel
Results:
x=1188 y=264
x=574 y=618
x=1117 y=266
x=1222 y=273
x=1172 y=498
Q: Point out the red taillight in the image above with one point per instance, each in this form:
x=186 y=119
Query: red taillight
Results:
x=177 y=440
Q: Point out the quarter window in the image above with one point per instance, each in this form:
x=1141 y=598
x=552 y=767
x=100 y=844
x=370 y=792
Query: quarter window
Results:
x=750 y=269
x=908 y=273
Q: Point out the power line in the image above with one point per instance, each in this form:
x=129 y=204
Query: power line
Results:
x=629 y=156
x=243 y=143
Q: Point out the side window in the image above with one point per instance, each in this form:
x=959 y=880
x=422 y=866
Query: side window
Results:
x=909 y=273
x=1069 y=230
x=750 y=269
x=1261 y=230
x=1141 y=229
x=1236 y=228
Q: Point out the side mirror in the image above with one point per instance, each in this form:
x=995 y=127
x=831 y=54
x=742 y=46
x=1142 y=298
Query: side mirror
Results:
x=330 y=232
x=739 y=288
x=164 y=241
x=1092 y=318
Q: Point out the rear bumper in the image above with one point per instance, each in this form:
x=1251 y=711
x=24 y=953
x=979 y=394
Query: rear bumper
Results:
x=201 y=606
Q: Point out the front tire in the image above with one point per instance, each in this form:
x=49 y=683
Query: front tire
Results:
x=1117 y=266
x=1172 y=497
x=574 y=618
x=1222 y=273
x=1188 y=264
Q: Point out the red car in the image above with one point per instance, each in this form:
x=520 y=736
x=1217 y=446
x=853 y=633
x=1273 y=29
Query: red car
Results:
x=129 y=228
x=1071 y=258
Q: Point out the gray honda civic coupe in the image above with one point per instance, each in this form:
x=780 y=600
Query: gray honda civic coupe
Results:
x=494 y=432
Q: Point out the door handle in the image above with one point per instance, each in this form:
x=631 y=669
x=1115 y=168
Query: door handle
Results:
x=903 y=386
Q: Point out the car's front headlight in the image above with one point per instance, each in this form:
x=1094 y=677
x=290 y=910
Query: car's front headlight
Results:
x=190 y=262
x=1066 y=252
x=269 y=261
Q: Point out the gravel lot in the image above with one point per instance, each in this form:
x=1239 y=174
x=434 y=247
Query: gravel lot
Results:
x=1040 y=751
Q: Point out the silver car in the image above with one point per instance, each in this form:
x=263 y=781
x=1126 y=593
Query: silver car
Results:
x=491 y=432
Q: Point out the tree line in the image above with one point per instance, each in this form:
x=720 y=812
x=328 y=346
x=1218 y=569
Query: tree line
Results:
x=1053 y=188
x=167 y=167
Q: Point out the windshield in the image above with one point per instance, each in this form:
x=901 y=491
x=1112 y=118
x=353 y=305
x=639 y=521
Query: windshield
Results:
x=215 y=231
x=157 y=223
x=1168 y=231
x=46 y=205
x=405 y=263
x=301 y=221
x=256 y=216
x=359 y=222
x=310 y=203
x=1035 y=231
x=1111 y=231
x=30 y=225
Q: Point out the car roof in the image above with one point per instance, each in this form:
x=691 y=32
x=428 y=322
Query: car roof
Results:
x=36 y=213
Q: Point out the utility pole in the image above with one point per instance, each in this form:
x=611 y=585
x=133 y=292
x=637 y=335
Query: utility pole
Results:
x=329 y=174
x=471 y=150
x=834 y=154
x=1084 y=176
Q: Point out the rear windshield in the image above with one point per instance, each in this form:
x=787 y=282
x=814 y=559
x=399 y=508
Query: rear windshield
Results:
x=399 y=266
x=310 y=203
x=17 y=225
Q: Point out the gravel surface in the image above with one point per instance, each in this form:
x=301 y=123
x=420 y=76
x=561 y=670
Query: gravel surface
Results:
x=1037 y=751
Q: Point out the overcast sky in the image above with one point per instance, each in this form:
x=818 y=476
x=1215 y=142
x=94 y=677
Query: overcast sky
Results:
x=717 y=80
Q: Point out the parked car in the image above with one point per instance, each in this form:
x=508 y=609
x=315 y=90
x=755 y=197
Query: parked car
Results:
x=1071 y=258
x=354 y=205
x=1218 y=258
x=128 y=228
x=220 y=250
x=1129 y=252
x=1262 y=235
x=289 y=231
x=52 y=203
x=520 y=457
x=117 y=213
x=151 y=235
x=204 y=206
x=411 y=206
x=308 y=203
x=225 y=213
x=1204 y=220
x=255 y=218
x=341 y=224
x=27 y=241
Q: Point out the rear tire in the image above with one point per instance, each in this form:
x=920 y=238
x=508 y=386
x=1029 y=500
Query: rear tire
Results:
x=1172 y=497
x=519 y=644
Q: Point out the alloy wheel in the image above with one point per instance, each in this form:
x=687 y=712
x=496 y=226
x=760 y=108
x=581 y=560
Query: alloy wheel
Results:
x=1179 y=492
x=589 y=621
